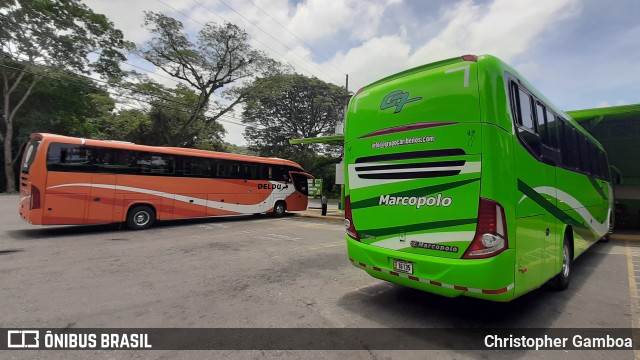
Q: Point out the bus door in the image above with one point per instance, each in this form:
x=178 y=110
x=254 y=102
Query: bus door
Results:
x=101 y=199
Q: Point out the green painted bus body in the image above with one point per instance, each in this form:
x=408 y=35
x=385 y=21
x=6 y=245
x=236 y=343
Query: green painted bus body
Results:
x=455 y=117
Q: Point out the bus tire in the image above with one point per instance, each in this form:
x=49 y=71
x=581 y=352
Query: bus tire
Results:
x=279 y=209
x=141 y=217
x=605 y=238
x=561 y=281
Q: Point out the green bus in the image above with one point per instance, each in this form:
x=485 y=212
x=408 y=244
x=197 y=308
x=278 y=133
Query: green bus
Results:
x=463 y=179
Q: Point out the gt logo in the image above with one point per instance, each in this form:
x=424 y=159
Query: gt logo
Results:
x=397 y=99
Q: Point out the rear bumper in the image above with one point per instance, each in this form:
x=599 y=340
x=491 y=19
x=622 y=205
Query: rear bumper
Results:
x=490 y=279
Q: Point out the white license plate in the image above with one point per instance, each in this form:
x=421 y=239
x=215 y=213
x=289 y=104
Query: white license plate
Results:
x=403 y=266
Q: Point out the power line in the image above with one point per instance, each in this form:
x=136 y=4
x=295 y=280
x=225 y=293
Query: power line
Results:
x=166 y=77
x=289 y=61
x=122 y=95
x=143 y=69
x=294 y=35
x=265 y=32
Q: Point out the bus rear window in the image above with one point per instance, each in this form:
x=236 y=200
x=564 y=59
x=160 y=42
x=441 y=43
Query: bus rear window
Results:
x=29 y=155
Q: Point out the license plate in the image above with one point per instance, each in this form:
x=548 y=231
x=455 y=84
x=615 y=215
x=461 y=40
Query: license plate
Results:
x=403 y=266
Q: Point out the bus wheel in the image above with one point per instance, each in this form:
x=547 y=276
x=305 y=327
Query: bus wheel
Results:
x=561 y=281
x=141 y=217
x=279 y=209
x=605 y=238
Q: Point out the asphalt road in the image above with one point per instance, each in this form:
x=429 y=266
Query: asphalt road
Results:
x=259 y=272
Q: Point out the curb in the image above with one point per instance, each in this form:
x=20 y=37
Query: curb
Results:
x=313 y=216
x=625 y=237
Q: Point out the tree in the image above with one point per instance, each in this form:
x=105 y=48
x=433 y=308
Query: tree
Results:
x=216 y=64
x=37 y=37
x=66 y=104
x=160 y=117
x=284 y=107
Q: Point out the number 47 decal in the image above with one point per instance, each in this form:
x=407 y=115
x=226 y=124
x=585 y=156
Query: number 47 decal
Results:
x=466 y=73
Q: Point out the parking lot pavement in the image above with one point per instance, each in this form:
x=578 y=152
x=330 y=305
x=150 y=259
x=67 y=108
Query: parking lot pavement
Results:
x=256 y=271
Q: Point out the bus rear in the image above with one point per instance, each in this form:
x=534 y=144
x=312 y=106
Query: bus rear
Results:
x=32 y=181
x=413 y=209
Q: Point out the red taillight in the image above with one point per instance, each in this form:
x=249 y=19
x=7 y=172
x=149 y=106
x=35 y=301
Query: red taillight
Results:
x=358 y=92
x=348 y=220
x=491 y=232
x=35 y=197
x=470 y=58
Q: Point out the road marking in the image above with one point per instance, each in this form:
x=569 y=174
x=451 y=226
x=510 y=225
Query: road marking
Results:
x=633 y=289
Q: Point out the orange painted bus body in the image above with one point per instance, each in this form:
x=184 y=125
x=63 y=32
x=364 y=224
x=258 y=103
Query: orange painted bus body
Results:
x=66 y=198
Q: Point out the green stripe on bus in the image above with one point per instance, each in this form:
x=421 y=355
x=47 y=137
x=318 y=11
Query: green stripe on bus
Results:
x=428 y=190
x=417 y=227
x=553 y=209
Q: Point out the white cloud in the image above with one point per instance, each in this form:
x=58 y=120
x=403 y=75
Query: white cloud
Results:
x=375 y=59
x=369 y=39
x=318 y=19
x=504 y=28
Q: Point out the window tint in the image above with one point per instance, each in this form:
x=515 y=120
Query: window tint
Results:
x=605 y=175
x=553 y=128
x=68 y=157
x=564 y=146
x=541 y=124
x=194 y=167
x=29 y=155
x=594 y=162
x=524 y=110
x=300 y=183
x=124 y=162
x=281 y=174
x=584 y=153
x=151 y=163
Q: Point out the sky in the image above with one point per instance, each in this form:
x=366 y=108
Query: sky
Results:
x=580 y=54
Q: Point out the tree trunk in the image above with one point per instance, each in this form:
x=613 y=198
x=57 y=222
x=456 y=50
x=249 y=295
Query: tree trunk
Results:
x=8 y=157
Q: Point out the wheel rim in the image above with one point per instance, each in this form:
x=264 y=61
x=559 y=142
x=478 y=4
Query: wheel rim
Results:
x=141 y=218
x=566 y=266
x=280 y=209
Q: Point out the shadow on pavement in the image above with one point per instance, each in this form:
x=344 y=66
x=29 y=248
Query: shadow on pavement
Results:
x=54 y=231
x=395 y=306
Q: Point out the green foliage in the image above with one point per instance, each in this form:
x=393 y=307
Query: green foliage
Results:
x=66 y=105
x=38 y=40
x=163 y=123
x=220 y=56
x=60 y=34
x=293 y=106
x=238 y=149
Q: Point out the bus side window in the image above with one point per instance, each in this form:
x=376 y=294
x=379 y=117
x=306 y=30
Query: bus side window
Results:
x=553 y=128
x=575 y=150
x=125 y=161
x=526 y=124
x=525 y=115
x=542 y=124
x=68 y=158
x=584 y=150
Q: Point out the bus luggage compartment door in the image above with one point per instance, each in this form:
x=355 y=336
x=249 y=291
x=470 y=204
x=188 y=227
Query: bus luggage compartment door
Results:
x=99 y=208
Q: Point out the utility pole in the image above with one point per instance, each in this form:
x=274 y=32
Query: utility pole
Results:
x=346 y=86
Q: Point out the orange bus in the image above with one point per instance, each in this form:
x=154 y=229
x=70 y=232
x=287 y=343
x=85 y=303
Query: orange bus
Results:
x=66 y=180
